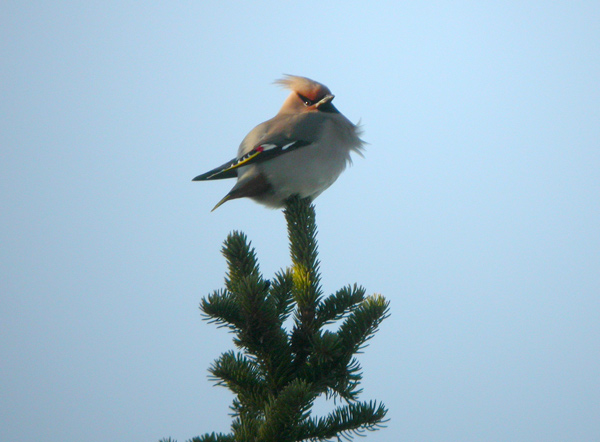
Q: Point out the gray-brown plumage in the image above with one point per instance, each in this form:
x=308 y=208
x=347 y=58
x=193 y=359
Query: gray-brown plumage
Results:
x=301 y=151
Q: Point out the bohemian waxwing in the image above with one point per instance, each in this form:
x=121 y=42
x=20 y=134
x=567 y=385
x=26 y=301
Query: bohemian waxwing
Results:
x=301 y=151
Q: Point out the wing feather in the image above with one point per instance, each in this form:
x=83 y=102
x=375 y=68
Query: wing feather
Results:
x=262 y=152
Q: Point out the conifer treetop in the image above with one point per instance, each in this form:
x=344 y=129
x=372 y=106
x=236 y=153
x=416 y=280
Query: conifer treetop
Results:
x=276 y=374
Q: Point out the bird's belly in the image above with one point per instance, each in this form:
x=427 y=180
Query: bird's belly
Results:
x=305 y=173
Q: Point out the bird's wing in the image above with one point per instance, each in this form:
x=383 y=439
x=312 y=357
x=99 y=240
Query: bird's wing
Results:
x=219 y=173
x=266 y=150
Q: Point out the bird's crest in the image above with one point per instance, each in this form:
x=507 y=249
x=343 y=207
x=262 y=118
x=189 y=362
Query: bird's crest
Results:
x=304 y=86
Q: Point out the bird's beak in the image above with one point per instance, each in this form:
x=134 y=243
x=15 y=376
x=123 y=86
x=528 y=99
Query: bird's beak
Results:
x=326 y=99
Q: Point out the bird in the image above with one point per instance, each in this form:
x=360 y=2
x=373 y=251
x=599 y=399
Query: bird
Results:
x=301 y=151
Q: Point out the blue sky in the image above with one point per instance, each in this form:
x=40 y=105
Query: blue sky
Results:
x=475 y=210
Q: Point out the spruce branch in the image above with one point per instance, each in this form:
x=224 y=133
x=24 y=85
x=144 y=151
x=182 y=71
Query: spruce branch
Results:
x=213 y=437
x=362 y=323
x=241 y=258
x=242 y=376
x=222 y=308
x=285 y=413
x=302 y=231
x=281 y=292
x=346 y=421
x=335 y=306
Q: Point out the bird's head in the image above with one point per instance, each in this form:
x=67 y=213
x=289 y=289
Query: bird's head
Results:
x=307 y=96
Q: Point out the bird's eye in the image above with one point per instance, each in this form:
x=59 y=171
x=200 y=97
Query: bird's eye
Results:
x=306 y=101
